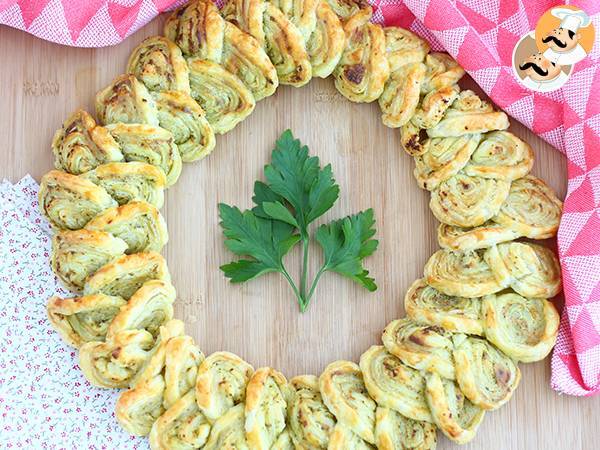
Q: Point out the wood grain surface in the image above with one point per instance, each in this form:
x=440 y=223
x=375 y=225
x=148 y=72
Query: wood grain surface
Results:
x=41 y=83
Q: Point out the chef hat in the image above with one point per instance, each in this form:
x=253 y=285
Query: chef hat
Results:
x=571 y=19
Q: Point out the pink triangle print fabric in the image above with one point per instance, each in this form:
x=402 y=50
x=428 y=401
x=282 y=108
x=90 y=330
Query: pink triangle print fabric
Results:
x=481 y=35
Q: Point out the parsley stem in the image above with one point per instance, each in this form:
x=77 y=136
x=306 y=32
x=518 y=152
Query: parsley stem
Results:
x=312 y=288
x=287 y=276
x=305 y=242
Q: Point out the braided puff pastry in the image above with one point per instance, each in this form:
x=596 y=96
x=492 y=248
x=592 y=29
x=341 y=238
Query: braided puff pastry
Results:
x=530 y=269
x=401 y=94
x=80 y=145
x=461 y=274
x=69 y=202
x=221 y=384
x=310 y=422
x=501 y=155
x=283 y=442
x=158 y=63
x=77 y=254
x=200 y=31
x=394 y=385
x=422 y=347
x=352 y=13
x=485 y=375
x=344 y=392
x=523 y=328
x=83 y=319
x=393 y=431
x=139 y=224
x=531 y=209
x=452 y=412
x=125 y=275
x=267 y=393
x=181 y=427
x=466 y=201
x=326 y=43
x=169 y=375
x=180 y=114
x=342 y=438
x=148 y=309
x=228 y=431
x=222 y=96
x=126 y=100
x=425 y=304
x=131 y=181
x=466 y=238
x=150 y=144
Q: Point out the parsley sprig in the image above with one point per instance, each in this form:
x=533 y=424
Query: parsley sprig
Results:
x=296 y=193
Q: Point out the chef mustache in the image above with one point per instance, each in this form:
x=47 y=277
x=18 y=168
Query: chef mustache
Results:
x=537 y=69
x=557 y=41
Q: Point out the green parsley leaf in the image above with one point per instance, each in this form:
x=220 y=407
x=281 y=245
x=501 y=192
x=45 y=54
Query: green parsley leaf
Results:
x=346 y=242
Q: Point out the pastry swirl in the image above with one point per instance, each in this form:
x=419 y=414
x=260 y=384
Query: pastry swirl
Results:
x=465 y=238
x=126 y=100
x=344 y=392
x=403 y=47
x=267 y=394
x=452 y=412
x=125 y=275
x=184 y=118
x=77 y=254
x=401 y=94
x=523 y=328
x=310 y=422
x=423 y=347
x=158 y=63
x=343 y=438
x=69 y=202
x=425 y=304
x=83 y=319
x=139 y=224
x=394 y=385
x=149 y=144
x=228 y=431
x=81 y=145
x=221 y=384
x=131 y=181
x=485 y=375
x=393 y=431
x=326 y=42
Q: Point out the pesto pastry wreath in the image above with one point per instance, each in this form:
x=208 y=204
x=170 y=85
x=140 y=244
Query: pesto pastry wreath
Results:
x=480 y=309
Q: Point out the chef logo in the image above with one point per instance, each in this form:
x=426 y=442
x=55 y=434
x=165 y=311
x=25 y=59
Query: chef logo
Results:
x=544 y=58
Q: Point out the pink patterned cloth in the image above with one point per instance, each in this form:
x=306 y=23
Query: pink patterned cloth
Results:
x=481 y=35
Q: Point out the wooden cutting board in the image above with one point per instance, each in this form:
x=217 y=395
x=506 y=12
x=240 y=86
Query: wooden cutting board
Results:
x=41 y=83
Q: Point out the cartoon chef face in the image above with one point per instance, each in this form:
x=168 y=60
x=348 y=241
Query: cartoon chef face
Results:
x=538 y=68
x=562 y=40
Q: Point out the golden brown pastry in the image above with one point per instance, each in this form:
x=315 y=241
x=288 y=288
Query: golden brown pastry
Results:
x=158 y=63
x=148 y=309
x=267 y=394
x=181 y=427
x=125 y=275
x=131 y=181
x=344 y=392
x=150 y=144
x=77 y=254
x=283 y=442
x=309 y=421
x=442 y=71
x=461 y=274
x=225 y=100
x=200 y=31
x=69 y=202
x=531 y=209
x=126 y=100
x=466 y=238
x=393 y=431
x=80 y=145
x=403 y=47
x=343 y=438
x=434 y=106
x=502 y=155
x=352 y=13
x=401 y=94
x=523 y=328
x=221 y=384
x=452 y=412
x=180 y=114
x=425 y=304
x=530 y=269
x=83 y=319
x=484 y=374
x=423 y=347
x=466 y=201
x=393 y=384
x=139 y=224
x=228 y=431
x=326 y=43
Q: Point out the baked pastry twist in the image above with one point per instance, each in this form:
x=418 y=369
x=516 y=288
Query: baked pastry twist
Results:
x=443 y=366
